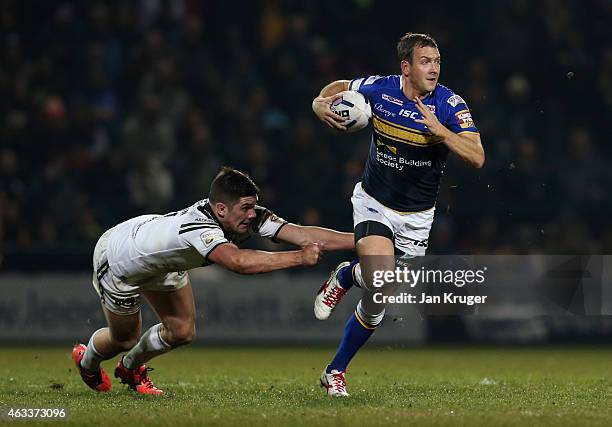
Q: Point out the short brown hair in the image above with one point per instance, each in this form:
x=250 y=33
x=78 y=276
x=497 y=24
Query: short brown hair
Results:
x=407 y=43
x=230 y=185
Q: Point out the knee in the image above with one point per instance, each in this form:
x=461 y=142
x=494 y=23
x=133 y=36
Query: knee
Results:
x=181 y=334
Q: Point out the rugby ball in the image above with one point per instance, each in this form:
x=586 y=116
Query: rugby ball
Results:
x=354 y=108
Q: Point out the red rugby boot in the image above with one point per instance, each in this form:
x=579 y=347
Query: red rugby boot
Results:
x=137 y=379
x=96 y=380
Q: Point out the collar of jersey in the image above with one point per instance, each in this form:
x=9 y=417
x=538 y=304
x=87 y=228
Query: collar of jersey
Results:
x=404 y=95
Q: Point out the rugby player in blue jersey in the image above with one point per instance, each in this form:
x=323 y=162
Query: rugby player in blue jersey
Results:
x=416 y=121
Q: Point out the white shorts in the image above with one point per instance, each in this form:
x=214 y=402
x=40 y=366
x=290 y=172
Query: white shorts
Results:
x=410 y=229
x=123 y=298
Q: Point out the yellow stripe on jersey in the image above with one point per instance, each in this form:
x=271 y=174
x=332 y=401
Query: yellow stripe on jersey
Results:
x=395 y=125
x=409 y=137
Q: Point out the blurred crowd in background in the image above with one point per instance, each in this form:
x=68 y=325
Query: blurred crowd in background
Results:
x=110 y=109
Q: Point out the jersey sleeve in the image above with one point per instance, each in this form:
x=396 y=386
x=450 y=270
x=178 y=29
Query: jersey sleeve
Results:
x=366 y=85
x=458 y=116
x=203 y=236
x=266 y=223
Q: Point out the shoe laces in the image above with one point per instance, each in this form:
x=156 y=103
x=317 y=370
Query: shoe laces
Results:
x=143 y=377
x=338 y=381
x=332 y=296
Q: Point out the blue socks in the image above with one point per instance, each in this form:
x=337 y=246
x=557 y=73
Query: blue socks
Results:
x=356 y=333
x=345 y=275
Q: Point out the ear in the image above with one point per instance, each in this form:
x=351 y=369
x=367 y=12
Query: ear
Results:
x=405 y=66
x=221 y=209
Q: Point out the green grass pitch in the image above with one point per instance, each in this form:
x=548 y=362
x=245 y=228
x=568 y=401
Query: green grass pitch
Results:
x=278 y=386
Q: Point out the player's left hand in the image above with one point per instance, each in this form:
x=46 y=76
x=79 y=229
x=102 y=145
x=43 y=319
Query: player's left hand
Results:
x=322 y=108
x=429 y=119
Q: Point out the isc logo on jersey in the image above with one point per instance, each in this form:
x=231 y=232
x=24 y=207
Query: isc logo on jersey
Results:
x=415 y=114
x=409 y=114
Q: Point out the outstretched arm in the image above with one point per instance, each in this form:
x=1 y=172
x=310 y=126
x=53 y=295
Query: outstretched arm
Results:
x=250 y=261
x=330 y=240
x=321 y=105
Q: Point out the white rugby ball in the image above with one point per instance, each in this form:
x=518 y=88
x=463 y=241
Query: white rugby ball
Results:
x=354 y=108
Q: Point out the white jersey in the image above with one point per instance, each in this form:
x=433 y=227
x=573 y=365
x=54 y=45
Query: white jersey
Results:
x=151 y=245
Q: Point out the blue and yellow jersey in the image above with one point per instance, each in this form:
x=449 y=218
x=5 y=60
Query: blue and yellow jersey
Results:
x=406 y=161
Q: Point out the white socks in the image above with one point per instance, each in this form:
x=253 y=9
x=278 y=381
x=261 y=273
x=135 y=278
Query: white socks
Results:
x=371 y=319
x=150 y=345
x=91 y=359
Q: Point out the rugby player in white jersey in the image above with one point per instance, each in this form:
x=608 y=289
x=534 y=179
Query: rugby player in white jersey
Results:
x=149 y=256
x=416 y=122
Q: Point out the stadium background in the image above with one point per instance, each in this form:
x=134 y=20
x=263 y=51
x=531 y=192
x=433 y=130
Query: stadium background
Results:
x=113 y=109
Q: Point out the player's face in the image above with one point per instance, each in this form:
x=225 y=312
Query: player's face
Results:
x=424 y=71
x=240 y=215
